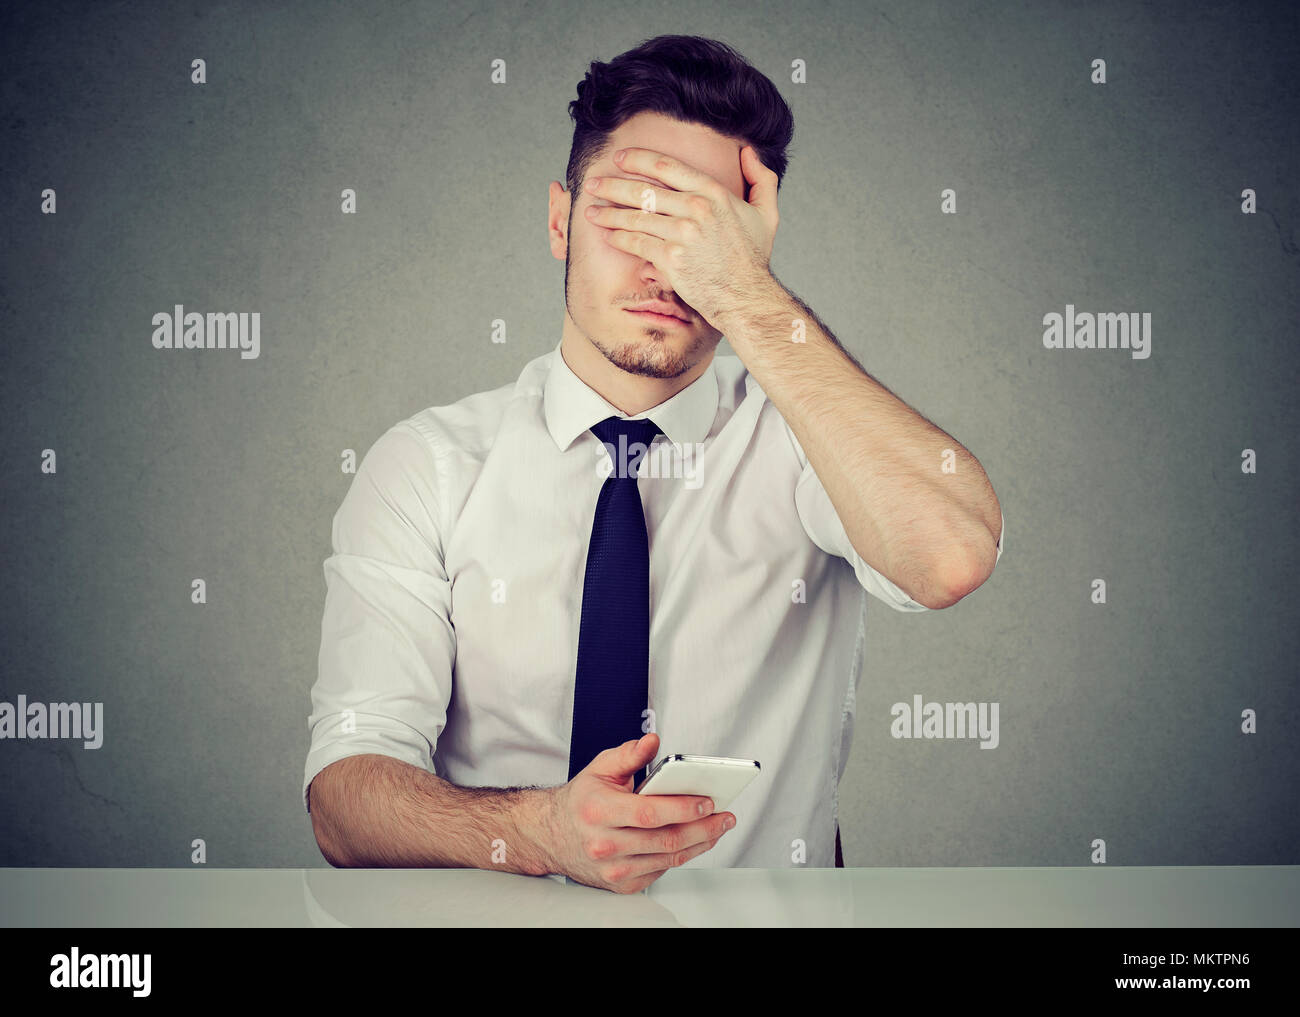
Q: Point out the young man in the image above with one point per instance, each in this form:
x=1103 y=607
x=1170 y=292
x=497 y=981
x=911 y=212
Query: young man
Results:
x=636 y=544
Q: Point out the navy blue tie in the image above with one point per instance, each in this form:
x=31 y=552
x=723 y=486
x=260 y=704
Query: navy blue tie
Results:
x=613 y=678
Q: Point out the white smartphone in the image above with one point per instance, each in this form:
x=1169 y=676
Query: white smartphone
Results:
x=717 y=777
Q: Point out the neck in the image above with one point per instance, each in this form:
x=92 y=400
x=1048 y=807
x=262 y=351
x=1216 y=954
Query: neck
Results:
x=629 y=393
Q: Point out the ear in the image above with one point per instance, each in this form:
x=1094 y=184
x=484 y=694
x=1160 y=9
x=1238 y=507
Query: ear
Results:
x=557 y=219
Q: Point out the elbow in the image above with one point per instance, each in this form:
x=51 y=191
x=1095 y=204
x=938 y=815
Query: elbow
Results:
x=323 y=830
x=937 y=597
x=329 y=850
x=959 y=574
x=330 y=855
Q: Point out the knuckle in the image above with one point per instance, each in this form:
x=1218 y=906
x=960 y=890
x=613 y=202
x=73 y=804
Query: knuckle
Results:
x=591 y=812
x=615 y=873
x=699 y=204
x=597 y=849
x=671 y=841
x=646 y=815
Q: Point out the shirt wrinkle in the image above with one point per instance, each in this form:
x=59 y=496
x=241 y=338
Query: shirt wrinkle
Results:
x=460 y=656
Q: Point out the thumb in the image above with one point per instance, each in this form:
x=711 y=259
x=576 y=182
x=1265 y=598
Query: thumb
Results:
x=622 y=762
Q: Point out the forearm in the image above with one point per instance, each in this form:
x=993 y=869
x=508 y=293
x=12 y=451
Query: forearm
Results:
x=376 y=811
x=882 y=464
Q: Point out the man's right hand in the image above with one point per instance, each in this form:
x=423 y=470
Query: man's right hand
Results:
x=605 y=835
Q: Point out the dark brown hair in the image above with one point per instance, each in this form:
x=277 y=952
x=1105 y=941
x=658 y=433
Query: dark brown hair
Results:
x=686 y=77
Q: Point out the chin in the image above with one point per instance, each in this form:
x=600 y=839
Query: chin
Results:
x=654 y=354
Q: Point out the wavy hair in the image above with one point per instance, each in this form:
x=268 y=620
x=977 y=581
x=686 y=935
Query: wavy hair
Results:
x=688 y=78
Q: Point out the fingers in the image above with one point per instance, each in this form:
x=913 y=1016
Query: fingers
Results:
x=667 y=842
x=633 y=873
x=657 y=864
x=625 y=841
x=630 y=854
x=650 y=811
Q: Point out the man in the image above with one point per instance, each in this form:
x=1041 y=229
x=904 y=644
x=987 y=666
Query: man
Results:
x=636 y=540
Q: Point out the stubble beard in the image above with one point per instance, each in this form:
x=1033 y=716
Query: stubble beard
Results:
x=650 y=354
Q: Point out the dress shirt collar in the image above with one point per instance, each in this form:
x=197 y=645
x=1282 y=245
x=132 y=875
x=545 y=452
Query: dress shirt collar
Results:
x=572 y=407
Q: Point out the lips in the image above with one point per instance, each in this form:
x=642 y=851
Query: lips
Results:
x=658 y=310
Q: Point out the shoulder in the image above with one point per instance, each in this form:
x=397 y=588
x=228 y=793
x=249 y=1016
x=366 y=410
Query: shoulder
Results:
x=465 y=430
x=420 y=467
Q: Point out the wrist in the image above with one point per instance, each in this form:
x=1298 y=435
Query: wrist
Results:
x=757 y=303
x=538 y=829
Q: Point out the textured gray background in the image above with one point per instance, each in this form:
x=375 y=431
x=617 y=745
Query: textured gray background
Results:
x=1118 y=721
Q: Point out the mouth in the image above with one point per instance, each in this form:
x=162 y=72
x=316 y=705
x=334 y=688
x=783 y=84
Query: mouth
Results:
x=653 y=317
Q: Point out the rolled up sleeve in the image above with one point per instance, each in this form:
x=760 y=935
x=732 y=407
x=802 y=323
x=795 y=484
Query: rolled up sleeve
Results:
x=822 y=524
x=384 y=676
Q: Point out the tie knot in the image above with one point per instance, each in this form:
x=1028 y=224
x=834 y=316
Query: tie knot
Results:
x=627 y=441
x=641 y=431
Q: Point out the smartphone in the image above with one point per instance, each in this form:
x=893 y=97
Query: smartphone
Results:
x=716 y=777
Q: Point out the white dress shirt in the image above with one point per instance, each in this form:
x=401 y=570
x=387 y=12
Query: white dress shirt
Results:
x=454 y=593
